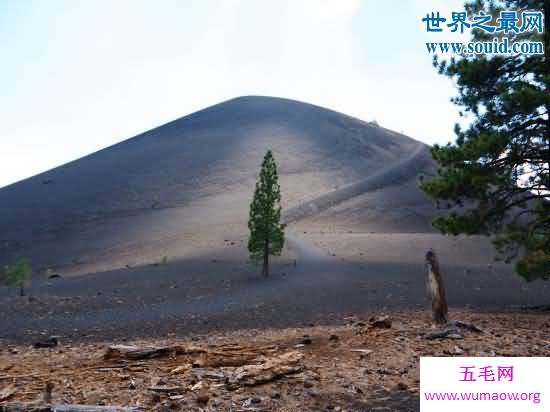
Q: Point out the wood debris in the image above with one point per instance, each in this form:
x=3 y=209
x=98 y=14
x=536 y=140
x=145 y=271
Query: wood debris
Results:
x=136 y=352
x=454 y=329
x=37 y=407
x=7 y=392
x=362 y=351
x=269 y=370
x=261 y=369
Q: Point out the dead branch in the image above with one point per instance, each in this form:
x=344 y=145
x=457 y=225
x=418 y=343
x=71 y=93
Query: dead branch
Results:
x=453 y=330
x=449 y=333
x=467 y=326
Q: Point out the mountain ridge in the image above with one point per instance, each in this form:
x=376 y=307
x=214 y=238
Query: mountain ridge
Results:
x=198 y=170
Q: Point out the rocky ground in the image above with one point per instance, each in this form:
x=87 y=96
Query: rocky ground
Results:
x=357 y=365
x=320 y=279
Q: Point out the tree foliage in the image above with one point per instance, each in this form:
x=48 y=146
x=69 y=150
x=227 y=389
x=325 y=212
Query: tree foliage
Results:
x=18 y=274
x=495 y=178
x=266 y=230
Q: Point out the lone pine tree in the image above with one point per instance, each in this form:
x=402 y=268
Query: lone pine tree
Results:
x=18 y=274
x=266 y=229
x=497 y=171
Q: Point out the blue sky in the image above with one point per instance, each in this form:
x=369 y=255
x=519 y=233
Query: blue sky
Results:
x=77 y=76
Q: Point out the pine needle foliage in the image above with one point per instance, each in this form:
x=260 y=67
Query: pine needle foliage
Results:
x=266 y=230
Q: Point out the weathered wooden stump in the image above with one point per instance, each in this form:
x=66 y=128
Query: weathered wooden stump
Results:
x=434 y=283
x=445 y=329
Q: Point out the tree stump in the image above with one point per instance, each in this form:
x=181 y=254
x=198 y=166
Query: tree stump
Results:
x=434 y=283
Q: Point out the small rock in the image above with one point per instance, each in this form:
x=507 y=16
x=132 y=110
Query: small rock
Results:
x=198 y=363
x=333 y=337
x=156 y=381
x=456 y=350
x=198 y=386
x=362 y=352
x=203 y=398
x=155 y=397
x=176 y=397
x=50 y=342
x=306 y=340
x=401 y=386
x=382 y=322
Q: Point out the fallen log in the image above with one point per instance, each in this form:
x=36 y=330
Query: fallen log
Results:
x=217 y=358
x=41 y=407
x=223 y=356
x=136 y=352
x=271 y=369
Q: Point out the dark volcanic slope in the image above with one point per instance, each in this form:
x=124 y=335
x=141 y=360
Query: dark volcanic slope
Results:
x=179 y=188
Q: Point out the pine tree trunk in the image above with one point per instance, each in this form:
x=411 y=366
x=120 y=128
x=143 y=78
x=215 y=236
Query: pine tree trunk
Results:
x=436 y=290
x=547 y=61
x=265 y=269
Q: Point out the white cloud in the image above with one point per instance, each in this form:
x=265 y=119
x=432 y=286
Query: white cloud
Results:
x=108 y=77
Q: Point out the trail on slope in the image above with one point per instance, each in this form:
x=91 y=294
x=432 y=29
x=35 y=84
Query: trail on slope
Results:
x=399 y=171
